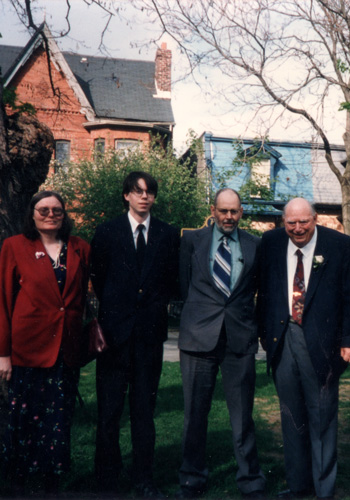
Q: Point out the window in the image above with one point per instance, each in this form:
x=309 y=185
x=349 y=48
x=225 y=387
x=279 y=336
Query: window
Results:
x=99 y=146
x=260 y=160
x=126 y=145
x=260 y=174
x=62 y=153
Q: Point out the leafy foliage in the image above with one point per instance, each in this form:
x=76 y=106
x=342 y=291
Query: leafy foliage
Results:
x=10 y=98
x=92 y=189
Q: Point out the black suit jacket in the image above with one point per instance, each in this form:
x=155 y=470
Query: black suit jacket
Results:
x=128 y=298
x=205 y=309
x=326 y=317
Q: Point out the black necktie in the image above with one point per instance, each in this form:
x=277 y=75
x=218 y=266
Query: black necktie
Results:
x=140 y=246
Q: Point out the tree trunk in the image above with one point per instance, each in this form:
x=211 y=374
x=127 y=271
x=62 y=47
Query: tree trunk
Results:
x=26 y=149
x=345 y=191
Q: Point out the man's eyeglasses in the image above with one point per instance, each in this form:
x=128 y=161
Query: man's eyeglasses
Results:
x=224 y=211
x=139 y=192
x=44 y=211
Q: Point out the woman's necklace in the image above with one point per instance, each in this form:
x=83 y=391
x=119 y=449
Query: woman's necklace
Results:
x=56 y=260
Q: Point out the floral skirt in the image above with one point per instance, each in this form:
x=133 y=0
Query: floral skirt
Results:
x=41 y=405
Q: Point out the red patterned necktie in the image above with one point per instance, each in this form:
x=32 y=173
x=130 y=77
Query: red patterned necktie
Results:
x=298 y=290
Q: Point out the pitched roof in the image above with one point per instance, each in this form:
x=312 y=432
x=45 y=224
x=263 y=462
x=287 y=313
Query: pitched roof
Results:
x=8 y=55
x=119 y=89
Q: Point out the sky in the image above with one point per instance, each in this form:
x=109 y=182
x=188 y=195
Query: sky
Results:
x=193 y=107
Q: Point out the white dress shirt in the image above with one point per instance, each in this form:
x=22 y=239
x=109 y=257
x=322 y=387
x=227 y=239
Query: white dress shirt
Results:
x=308 y=253
x=134 y=224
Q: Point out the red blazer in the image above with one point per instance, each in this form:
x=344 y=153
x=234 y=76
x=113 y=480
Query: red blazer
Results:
x=35 y=319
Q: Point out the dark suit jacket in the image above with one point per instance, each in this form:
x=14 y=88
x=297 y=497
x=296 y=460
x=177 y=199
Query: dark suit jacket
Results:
x=35 y=319
x=128 y=299
x=205 y=309
x=326 y=317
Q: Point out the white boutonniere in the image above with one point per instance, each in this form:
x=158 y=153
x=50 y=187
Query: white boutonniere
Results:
x=38 y=255
x=317 y=262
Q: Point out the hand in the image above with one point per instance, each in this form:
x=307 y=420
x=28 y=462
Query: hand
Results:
x=345 y=353
x=6 y=367
x=263 y=344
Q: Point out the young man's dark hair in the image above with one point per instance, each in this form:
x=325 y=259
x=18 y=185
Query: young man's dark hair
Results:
x=131 y=184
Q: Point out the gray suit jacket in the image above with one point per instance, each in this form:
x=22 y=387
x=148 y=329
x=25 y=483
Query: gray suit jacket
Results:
x=205 y=308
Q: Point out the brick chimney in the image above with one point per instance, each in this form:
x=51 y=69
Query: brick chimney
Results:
x=163 y=69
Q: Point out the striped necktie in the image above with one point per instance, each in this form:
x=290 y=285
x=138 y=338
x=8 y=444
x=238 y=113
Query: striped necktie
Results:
x=222 y=267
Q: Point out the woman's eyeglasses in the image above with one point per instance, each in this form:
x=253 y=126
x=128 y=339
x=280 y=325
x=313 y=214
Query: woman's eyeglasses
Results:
x=44 y=211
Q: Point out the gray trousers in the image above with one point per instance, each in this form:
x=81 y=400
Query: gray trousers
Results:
x=309 y=415
x=199 y=371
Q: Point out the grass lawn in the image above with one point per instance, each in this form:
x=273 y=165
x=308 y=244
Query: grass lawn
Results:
x=169 y=421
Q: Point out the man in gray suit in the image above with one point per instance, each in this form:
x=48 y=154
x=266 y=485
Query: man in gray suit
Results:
x=218 y=272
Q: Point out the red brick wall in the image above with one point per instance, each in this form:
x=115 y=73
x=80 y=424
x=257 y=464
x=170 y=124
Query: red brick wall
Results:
x=63 y=114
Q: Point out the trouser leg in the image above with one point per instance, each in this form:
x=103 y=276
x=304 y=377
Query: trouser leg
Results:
x=238 y=374
x=198 y=377
x=309 y=418
x=112 y=373
x=146 y=371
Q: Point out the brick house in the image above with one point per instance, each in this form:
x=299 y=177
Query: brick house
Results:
x=100 y=103
x=288 y=169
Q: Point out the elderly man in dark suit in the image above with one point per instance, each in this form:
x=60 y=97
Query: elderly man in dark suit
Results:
x=134 y=269
x=218 y=271
x=304 y=306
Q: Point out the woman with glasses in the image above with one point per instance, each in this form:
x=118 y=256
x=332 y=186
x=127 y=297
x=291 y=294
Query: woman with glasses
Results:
x=43 y=276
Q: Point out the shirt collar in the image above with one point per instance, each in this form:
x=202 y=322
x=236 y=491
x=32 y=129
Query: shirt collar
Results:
x=219 y=234
x=134 y=223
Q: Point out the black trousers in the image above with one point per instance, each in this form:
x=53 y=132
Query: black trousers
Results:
x=309 y=416
x=134 y=365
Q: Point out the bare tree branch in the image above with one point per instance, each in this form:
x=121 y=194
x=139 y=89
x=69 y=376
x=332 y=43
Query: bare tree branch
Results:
x=279 y=54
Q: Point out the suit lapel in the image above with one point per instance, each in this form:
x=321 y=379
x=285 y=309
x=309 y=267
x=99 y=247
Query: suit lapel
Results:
x=317 y=272
x=42 y=263
x=202 y=251
x=151 y=247
x=73 y=260
x=123 y=234
x=248 y=254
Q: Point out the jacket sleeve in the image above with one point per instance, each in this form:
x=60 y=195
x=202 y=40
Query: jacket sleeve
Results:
x=345 y=339
x=86 y=260
x=261 y=292
x=99 y=260
x=174 y=264
x=186 y=249
x=8 y=291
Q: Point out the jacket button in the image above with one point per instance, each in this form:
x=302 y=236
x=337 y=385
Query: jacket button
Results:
x=282 y=322
x=275 y=339
x=140 y=291
x=61 y=309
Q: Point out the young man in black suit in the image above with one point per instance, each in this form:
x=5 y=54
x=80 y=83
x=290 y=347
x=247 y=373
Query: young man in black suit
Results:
x=134 y=269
